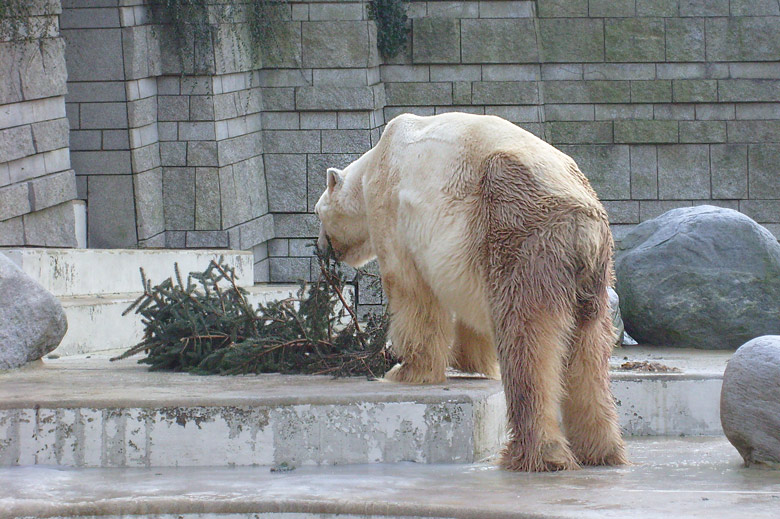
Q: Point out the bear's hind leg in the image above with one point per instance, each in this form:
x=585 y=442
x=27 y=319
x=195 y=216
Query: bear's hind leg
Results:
x=530 y=353
x=589 y=415
x=420 y=330
x=473 y=352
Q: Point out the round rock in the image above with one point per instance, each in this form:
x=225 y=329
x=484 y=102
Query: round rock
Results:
x=699 y=277
x=750 y=401
x=32 y=322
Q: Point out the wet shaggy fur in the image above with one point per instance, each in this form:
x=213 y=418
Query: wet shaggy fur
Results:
x=495 y=255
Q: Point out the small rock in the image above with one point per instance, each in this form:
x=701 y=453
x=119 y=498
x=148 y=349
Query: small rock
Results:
x=699 y=277
x=617 y=320
x=32 y=322
x=750 y=401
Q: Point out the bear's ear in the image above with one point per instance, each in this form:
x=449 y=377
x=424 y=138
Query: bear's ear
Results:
x=334 y=179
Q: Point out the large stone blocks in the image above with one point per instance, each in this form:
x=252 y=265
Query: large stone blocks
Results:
x=729 y=164
x=149 y=203
x=51 y=227
x=337 y=44
x=633 y=39
x=111 y=216
x=572 y=39
x=52 y=190
x=498 y=41
x=704 y=7
x=436 y=40
x=179 y=198
x=683 y=172
x=607 y=168
x=414 y=94
x=16 y=143
x=326 y=97
x=562 y=8
x=684 y=39
x=208 y=215
x=286 y=176
x=644 y=172
x=504 y=93
x=743 y=39
x=587 y=92
x=749 y=90
x=43 y=73
x=646 y=132
x=763 y=176
x=94 y=54
x=597 y=132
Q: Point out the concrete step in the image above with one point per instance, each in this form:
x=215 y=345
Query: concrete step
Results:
x=88 y=412
x=670 y=477
x=92 y=272
x=95 y=323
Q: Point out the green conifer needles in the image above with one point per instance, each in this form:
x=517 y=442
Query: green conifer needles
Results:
x=207 y=326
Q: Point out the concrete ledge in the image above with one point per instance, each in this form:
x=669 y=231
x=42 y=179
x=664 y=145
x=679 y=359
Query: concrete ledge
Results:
x=95 y=415
x=78 y=272
x=87 y=412
x=681 y=478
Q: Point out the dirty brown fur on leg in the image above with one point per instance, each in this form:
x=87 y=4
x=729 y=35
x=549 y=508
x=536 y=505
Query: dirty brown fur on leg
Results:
x=589 y=415
x=531 y=364
x=420 y=330
x=473 y=352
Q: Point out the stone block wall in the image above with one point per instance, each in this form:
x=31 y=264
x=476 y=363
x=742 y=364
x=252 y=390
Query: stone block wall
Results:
x=166 y=143
x=662 y=103
x=322 y=108
x=37 y=184
x=112 y=59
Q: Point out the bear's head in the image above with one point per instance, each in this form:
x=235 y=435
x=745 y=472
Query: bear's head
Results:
x=342 y=214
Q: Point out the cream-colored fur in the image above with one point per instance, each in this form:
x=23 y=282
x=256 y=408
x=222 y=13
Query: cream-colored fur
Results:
x=491 y=245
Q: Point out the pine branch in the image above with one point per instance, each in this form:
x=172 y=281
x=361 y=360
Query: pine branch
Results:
x=209 y=327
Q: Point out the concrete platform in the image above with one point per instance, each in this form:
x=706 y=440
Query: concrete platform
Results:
x=670 y=477
x=87 y=412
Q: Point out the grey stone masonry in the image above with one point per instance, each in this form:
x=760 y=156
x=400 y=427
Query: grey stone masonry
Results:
x=37 y=184
x=663 y=103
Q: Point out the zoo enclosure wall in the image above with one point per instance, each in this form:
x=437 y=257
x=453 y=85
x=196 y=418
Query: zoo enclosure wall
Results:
x=663 y=103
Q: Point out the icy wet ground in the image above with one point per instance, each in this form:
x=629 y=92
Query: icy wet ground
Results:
x=669 y=477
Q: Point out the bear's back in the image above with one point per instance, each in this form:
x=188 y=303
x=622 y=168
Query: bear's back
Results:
x=451 y=150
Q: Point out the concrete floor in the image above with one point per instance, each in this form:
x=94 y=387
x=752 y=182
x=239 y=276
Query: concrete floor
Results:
x=670 y=477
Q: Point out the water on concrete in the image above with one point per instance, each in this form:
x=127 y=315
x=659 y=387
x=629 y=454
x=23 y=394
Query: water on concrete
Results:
x=669 y=477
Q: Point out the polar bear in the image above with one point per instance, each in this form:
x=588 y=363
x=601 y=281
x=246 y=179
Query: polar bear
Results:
x=491 y=246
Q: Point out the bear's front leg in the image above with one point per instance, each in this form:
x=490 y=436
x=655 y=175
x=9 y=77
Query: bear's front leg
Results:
x=420 y=330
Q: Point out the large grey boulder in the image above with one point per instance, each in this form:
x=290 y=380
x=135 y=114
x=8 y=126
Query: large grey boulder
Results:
x=32 y=322
x=750 y=401
x=701 y=277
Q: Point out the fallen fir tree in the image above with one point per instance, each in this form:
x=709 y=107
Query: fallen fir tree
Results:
x=207 y=326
